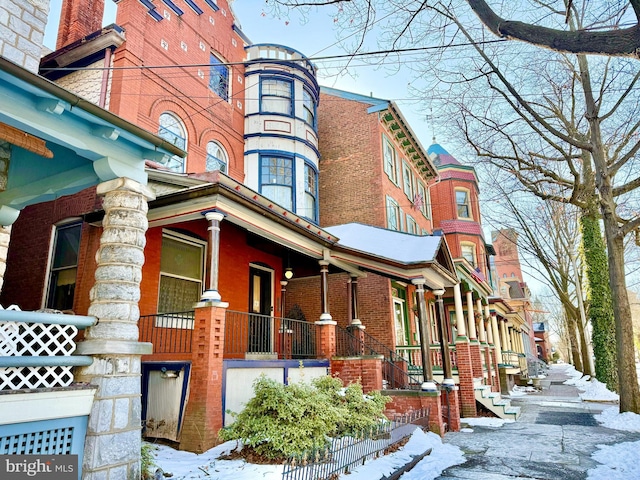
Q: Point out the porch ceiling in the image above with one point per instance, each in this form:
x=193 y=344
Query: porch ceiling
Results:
x=89 y=144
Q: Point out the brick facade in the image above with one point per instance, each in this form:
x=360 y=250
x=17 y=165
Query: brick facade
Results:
x=366 y=370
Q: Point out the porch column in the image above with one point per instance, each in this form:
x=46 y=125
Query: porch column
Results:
x=443 y=332
x=211 y=294
x=425 y=341
x=483 y=333
x=496 y=337
x=355 y=319
x=460 y=323
x=112 y=446
x=324 y=291
x=470 y=317
x=283 y=295
x=505 y=336
x=5 y=232
x=487 y=321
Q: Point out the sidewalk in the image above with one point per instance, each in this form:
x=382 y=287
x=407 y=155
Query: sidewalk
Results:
x=552 y=440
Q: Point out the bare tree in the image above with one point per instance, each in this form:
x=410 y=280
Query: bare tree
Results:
x=580 y=148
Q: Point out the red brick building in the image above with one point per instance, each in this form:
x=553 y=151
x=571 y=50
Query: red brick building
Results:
x=232 y=222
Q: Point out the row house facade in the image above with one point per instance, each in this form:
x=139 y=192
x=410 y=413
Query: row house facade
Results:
x=290 y=223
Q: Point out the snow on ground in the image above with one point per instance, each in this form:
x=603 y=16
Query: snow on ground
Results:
x=186 y=465
x=619 y=462
x=593 y=389
x=485 y=421
x=611 y=418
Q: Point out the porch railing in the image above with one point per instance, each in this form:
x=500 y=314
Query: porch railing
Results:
x=36 y=348
x=249 y=335
x=168 y=332
x=413 y=355
x=510 y=358
x=395 y=371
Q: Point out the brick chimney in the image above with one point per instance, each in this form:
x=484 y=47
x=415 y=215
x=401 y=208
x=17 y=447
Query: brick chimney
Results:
x=79 y=18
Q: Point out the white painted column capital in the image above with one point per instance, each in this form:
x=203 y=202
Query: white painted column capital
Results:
x=211 y=294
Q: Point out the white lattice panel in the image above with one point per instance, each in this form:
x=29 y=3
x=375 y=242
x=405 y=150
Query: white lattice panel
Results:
x=16 y=378
x=35 y=340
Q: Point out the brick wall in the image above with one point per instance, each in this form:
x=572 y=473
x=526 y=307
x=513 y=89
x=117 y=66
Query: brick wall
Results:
x=353 y=184
x=405 y=401
x=31 y=238
x=364 y=370
x=78 y=19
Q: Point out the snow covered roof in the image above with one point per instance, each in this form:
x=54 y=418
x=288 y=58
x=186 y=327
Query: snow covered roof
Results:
x=390 y=244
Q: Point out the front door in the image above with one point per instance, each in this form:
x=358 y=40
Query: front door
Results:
x=260 y=309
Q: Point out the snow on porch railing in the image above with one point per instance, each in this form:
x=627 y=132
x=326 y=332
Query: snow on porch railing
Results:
x=36 y=348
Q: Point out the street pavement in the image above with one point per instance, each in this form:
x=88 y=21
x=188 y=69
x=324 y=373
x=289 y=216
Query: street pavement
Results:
x=552 y=440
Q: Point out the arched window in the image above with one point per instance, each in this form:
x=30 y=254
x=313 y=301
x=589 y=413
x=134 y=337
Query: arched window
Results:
x=216 y=158
x=173 y=131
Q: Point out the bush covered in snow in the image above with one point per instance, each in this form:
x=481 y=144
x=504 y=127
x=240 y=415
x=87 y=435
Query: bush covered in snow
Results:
x=285 y=420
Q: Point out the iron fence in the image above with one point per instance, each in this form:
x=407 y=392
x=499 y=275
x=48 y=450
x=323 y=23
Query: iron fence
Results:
x=341 y=455
x=168 y=332
x=266 y=336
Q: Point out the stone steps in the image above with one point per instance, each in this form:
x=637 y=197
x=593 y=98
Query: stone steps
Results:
x=494 y=402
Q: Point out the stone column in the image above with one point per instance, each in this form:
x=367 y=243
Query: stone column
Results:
x=460 y=323
x=112 y=447
x=211 y=294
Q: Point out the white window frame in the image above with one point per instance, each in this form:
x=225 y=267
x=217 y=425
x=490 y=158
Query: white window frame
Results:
x=393 y=206
x=467 y=204
x=412 y=225
x=172 y=129
x=221 y=163
x=474 y=253
x=390 y=159
x=67 y=223
x=408 y=181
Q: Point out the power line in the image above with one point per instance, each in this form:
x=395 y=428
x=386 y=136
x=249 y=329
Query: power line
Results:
x=277 y=60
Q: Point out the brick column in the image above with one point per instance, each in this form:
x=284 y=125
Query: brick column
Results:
x=326 y=338
x=365 y=369
x=112 y=447
x=204 y=416
x=465 y=375
x=449 y=397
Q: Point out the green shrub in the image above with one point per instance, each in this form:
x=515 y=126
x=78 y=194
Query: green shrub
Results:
x=285 y=420
x=147 y=461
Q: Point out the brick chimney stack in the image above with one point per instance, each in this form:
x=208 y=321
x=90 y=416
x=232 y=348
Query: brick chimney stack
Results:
x=79 y=18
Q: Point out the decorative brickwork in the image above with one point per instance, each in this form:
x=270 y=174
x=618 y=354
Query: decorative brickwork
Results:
x=465 y=373
x=204 y=416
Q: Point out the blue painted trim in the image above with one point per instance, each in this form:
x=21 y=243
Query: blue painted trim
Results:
x=78 y=424
x=315 y=88
x=285 y=137
x=157 y=366
x=194 y=7
x=354 y=96
x=212 y=4
x=277 y=45
x=315 y=109
x=378 y=108
x=291 y=95
x=315 y=194
x=151 y=10
x=177 y=10
x=279 y=154
x=46 y=361
x=79 y=321
x=241 y=34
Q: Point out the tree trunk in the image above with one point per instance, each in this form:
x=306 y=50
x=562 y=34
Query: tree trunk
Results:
x=599 y=297
x=573 y=342
x=581 y=322
x=627 y=376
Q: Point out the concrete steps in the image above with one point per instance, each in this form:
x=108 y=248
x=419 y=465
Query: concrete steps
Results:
x=494 y=402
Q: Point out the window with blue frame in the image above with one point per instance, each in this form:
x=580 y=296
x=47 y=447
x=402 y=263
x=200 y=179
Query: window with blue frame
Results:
x=309 y=209
x=275 y=96
x=219 y=77
x=276 y=180
x=309 y=106
x=216 y=158
x=173 y=131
